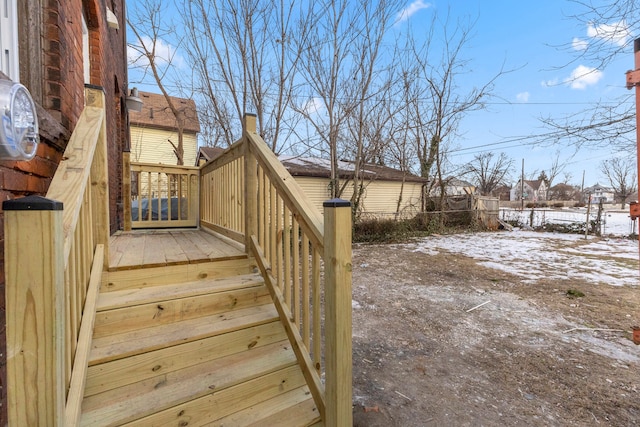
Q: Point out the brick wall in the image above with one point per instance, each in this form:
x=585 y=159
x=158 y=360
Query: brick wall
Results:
x=51 y=66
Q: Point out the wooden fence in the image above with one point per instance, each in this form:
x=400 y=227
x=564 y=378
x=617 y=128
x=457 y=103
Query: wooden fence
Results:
x=55 y=251
x=161 y=196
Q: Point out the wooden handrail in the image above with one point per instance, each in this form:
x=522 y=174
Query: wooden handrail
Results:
x=249 y=196
x=55 y=250
x=288 y=188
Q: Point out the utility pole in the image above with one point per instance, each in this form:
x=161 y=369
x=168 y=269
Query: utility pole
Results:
x=522 y=187
x=633 y=80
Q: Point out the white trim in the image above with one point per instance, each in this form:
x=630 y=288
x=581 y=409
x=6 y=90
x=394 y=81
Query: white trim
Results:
x=9 y=56
x=86 y=63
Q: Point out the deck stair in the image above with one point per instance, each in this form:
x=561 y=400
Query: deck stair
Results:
x=207 y=350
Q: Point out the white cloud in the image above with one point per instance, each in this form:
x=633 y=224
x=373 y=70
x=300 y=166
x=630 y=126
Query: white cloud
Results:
x=579 y=44
x=549 y=83
x=165 y=53
x=410 y=10
x=523 y=97
x=583 y=76
x=616 y=32
x=312 y=106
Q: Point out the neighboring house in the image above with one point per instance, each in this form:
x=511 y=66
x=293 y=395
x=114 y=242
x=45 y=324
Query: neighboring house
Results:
x=387 y=191
x=207 y=153
x=564 y=192
x=54 y=48
x=503 y=193
x=599 y=193
x=534 y=191
x=454 y=187
x=154 y=126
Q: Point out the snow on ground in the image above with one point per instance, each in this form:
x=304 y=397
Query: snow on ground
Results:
x=614 y=222
x=540 y=255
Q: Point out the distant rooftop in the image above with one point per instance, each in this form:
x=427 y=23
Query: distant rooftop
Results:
x=157 y=114
x=317 y=167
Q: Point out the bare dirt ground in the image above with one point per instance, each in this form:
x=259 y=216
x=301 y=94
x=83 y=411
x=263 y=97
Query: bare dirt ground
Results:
x=420 y=359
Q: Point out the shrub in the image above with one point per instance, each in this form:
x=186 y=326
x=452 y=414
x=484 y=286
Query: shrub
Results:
x=558 y=205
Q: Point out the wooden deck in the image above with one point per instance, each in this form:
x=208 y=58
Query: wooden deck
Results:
x=181 y=313
x=157 y=248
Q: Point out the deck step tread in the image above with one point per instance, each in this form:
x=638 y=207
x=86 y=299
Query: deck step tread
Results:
x=209 y=409
x=293 y=408
x=153 y=314
x=112 y=347
x=164 y=391
x=131 y=297
x=122 y=372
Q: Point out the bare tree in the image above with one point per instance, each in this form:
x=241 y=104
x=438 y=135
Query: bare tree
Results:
x=489 y=171
x=621 y=174
x=340 y=65
x=149 y=28
x=611 y=25
x=245 y=60
x=436 y=103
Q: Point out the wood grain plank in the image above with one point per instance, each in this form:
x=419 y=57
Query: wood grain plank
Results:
x=143 y=398
x=119 y=373
x=173 y=253
x=207 y=409
x=133 y=257
x=154 y=276
x=294 y=408
x=120 y=320
x=190 y=251
x=153 y=253
x=127 y=344
x=129 y=297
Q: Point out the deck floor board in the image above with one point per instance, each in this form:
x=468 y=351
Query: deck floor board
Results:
x=155 y=248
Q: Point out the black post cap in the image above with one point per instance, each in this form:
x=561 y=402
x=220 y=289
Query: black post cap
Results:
x=336 y=203
x=32 y=203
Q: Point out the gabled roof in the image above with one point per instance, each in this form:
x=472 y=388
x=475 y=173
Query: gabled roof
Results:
x=157 y=114
x=208 y=153
x=321 y=168
x=457 y=182
x=534 y=184
x=598 y=187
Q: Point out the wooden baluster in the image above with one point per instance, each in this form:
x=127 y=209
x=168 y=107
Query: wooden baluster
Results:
x=295 y=245
x=126 y=189
x=286 y=239
x=317 y=320
x=279 y=245
x=306 y=308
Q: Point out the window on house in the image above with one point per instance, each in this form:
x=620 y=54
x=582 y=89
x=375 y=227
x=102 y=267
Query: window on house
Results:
x=85 y=51
x=9 y=39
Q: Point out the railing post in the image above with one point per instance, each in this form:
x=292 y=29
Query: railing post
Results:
x=34 y=273
x=337 y=308
x=250 y=184
x=126 y=190
x=94 y=96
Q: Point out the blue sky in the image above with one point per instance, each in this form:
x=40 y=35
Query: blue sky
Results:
x=534 y=40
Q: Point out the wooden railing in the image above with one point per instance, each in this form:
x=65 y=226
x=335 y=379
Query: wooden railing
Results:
x=161 y=196
x=247 y=195
x=55 y=250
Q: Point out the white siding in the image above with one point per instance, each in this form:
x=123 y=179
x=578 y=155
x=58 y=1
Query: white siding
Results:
x=316 y=189
x=380 y=197
x=150 y=145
